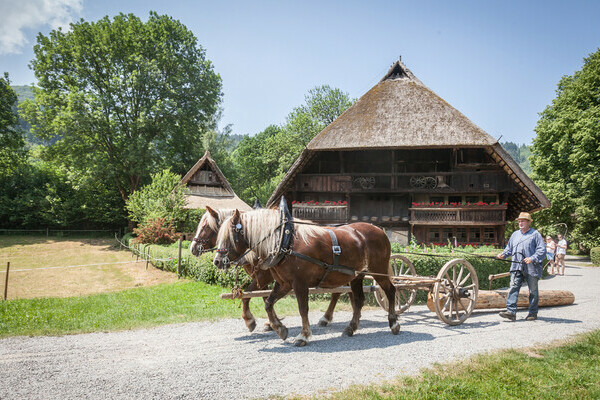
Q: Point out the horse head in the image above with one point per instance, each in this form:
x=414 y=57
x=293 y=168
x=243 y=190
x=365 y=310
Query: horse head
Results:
x=206 y=233
x=231 y=241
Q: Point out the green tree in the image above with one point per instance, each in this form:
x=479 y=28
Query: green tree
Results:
x=567 y=154
x=12 y=144
x=123 y=97
x=519 y=153
x=255 y=166
x=322 y=106
x=161 y=198
x=262 y=160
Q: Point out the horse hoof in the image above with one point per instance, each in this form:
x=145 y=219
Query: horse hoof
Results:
x=283 y=332
x=267 y=327
x=396 y=328
x=251 y=326
x=348 y=332
x=324 y=321
x=300 y=343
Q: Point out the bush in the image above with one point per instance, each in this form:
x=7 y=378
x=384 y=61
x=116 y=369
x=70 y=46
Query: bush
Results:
x=595 y=256
x=156 y=231
x=192 y=218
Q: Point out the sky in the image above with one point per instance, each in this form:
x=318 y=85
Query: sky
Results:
x=498 y=62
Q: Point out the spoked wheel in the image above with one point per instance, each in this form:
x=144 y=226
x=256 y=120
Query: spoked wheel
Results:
x=455 y=293
x=399 y=265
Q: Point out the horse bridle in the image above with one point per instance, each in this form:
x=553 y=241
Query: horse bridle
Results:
x=202 y=242
x=239 y=230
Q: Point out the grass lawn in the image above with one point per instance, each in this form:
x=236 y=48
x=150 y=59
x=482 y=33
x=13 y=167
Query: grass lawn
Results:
x=48 y=267
x=182 y=301
x=570 y=370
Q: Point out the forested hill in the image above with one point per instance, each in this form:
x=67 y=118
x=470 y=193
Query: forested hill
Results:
x=25 y=92
x=520 y=153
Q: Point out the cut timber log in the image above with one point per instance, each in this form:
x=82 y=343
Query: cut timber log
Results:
x=497 y=299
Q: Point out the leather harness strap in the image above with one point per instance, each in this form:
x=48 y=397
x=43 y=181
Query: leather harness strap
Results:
x=335 y=267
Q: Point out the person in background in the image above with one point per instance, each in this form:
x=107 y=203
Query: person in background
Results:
x=550 y=251
x=527 y=248
x=561 y=251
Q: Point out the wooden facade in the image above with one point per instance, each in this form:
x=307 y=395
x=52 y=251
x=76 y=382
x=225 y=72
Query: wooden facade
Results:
x=398 y=189
x=404 y=159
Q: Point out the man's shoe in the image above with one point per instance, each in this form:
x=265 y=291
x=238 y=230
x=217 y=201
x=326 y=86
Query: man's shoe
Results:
x=508 y=315
x=531 y=317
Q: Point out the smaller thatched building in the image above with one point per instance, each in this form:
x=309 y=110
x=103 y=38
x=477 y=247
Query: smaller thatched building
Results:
x=208 y=186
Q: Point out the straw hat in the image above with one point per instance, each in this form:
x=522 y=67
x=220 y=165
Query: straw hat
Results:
x=524 y=215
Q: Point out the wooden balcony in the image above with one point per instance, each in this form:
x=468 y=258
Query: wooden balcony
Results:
x=478 y=215
x=321 y=213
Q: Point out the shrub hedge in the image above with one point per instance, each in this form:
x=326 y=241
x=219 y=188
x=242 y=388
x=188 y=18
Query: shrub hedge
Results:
x=595 y=256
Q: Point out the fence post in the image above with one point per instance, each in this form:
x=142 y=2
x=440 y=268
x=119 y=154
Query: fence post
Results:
x=47 y=232
x=6 y=280
x=179 y=259
x=147 y=256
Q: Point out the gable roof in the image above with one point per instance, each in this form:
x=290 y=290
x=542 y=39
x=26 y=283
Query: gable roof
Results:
x=219 y=195
x=400 y=112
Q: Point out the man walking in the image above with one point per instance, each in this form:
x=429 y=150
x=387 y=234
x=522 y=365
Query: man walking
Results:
x=528 y=250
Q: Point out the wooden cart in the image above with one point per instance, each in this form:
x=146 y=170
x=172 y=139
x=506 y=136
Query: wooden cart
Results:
x=455 y=287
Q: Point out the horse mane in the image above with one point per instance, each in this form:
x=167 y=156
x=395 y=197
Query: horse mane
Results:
x=212 y=222
x=259 y=224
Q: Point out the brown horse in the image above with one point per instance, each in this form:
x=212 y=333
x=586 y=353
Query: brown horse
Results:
x=205 y=240
x=364 y=249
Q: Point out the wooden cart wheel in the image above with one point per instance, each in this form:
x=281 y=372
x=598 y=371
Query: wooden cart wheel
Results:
x=399 y=265
x=455 y=293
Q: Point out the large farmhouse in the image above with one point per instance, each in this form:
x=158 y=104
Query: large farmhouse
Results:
x=403 y=158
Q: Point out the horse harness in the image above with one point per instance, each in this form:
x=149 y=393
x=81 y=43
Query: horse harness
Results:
x=287 y=232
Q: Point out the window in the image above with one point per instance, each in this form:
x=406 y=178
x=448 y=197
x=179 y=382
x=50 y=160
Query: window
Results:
x=474 y=235
x=447 y=234
x=489 y=235
x=461 y=235
x=490 y=199
x=455 y=199
x=434 y=235
x=436 y=199
x=472 y=199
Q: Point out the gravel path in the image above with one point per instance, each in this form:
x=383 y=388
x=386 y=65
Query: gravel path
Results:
x=221 y=360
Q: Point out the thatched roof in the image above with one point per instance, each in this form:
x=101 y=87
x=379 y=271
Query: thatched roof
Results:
x=217 y=193
x=400 y=112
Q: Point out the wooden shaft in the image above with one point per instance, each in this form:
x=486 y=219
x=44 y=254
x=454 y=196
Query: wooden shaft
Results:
x=265 y=293
x=497 y=276
x=6 y=280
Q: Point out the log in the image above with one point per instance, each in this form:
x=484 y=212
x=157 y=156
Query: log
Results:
x=487 y=299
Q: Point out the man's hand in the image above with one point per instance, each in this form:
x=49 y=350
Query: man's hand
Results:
x=528 y=260
x=500 y=256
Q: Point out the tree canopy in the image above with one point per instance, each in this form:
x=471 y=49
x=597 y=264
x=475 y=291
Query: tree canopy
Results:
x=124 y=98
x=262 y=160
x=567 y=153
x=11 y=136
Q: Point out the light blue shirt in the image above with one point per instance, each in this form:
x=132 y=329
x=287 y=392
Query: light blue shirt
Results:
x=522 y=245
